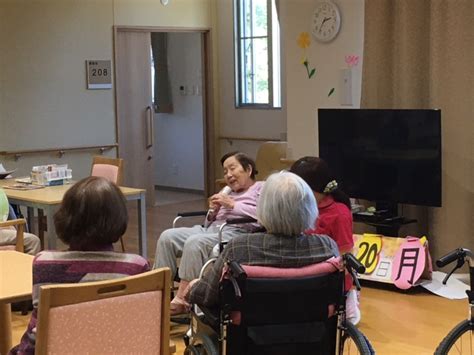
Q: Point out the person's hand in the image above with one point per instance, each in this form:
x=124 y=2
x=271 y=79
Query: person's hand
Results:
x=222 y=200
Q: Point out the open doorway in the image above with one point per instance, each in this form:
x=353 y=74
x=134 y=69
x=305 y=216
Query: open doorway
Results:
x=166 y=144
x=177 y=82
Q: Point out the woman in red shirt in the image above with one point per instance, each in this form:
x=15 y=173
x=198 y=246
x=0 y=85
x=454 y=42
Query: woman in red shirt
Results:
x=335 y=216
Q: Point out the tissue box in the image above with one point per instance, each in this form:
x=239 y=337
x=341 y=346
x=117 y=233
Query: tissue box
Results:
x=50 y=175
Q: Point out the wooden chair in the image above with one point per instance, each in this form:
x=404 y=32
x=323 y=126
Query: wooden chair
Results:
x=112 y=170
x=109 y=168
x=127 y=316
x=19 y=224
x=269 y=157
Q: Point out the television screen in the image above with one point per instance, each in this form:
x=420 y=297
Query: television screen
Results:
x=384 y=155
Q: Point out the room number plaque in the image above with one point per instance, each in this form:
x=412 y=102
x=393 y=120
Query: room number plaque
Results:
x=99 y=74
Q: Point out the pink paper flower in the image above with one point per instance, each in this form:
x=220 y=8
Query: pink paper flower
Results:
x=352 y=60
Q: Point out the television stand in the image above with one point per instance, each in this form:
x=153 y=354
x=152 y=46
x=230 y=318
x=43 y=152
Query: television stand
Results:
x=387 y=226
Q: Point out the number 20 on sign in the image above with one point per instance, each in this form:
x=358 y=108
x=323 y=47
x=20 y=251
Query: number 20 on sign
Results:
x=368 y=250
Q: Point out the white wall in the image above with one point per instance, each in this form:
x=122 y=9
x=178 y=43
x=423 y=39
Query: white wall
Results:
x=241 y=122
x=179 y=150
x=43 y=47
x=305 y=96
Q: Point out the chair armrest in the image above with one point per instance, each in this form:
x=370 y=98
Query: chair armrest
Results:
x=13 y=222
x=20 y=224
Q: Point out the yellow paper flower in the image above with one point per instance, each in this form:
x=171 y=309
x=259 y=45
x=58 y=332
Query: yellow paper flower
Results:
x=303 y=40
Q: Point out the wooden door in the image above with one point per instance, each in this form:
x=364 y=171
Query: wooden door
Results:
x=134 y=109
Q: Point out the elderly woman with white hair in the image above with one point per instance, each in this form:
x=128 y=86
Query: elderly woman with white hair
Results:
x=286 y=208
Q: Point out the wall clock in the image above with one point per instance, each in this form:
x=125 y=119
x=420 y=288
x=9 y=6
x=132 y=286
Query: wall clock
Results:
x=326 y=21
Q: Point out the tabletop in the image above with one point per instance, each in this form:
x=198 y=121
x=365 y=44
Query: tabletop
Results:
x=16 y=278
x=50 y=195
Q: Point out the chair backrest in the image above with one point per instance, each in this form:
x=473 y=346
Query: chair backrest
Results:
x=283 y=311
x=268 y=159
x=128 y=316
x=109 y=168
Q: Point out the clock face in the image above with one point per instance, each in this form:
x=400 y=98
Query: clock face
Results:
x=326 y=21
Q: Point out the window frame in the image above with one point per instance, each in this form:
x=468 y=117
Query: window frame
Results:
x=238 y=65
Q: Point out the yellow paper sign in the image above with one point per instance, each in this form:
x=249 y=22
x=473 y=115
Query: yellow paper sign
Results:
x=369 y=247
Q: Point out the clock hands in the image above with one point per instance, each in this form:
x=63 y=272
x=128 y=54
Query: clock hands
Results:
x=324 y=21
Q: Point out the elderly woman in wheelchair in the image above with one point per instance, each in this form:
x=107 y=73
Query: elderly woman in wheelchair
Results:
x=194 y=245
x=274 y=292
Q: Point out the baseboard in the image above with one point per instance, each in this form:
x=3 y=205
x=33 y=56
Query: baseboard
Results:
x=179 y=189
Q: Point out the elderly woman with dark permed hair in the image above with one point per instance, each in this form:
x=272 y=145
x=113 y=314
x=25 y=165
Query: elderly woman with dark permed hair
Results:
x=92 y=216
x=194 y=244
x=286 y=209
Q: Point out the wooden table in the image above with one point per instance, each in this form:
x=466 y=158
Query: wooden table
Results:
x=15 y=285
x=49 y=198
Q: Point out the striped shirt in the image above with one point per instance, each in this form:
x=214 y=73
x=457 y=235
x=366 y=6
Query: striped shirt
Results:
x=59 y=267
x=265 y=250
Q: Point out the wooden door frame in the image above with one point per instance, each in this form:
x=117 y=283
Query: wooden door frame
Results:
x=207 y=93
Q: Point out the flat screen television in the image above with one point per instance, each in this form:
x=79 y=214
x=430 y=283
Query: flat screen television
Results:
x=382 y=155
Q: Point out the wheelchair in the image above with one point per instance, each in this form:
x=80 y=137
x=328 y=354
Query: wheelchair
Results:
x=215 y=251
x=260 y=312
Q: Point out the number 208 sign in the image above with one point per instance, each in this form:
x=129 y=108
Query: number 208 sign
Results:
x=99 y=75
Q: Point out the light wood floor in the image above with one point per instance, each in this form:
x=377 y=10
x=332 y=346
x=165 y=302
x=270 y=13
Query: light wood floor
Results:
x=395 y=322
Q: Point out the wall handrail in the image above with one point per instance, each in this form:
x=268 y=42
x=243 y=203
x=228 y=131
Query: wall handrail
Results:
x=17 y=154
x=254 y=139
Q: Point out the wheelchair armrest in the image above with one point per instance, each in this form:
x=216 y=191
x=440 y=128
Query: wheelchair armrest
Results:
x=187 y=214
x=191 y=214
x=241 y=220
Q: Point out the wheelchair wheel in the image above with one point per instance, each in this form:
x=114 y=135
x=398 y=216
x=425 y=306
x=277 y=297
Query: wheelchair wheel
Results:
x=202 y=344
x=354 y=342
x=458 y=341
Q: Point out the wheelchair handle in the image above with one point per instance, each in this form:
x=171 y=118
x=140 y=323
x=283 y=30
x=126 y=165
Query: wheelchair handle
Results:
x=453 y=255
x=236 y=270
x=353 y=263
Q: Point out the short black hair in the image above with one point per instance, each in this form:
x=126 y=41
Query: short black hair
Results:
x=244 y=160
x=93 y=214
x=315 y=171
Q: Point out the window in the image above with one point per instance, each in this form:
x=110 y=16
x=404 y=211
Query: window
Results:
x=257 y=52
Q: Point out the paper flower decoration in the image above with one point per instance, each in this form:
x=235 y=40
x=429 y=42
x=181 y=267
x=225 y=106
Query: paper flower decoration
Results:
x=352 y=60
x=304 y=42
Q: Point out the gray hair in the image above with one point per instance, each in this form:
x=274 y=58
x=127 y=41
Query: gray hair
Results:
x=286 y=205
